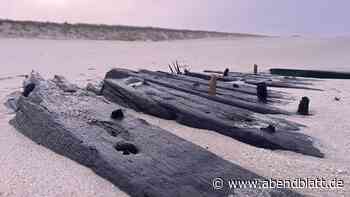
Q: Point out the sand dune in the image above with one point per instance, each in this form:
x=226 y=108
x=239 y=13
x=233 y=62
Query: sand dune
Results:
x=67 y=31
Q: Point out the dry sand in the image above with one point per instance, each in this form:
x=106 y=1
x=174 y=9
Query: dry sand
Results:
x=27 y=169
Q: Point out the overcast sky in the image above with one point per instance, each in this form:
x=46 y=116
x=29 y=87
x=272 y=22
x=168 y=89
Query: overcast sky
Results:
x=276 y=17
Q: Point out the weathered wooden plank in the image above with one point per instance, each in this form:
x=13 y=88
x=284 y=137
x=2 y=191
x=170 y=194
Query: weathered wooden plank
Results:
x=264 y=75
x=234 y=87
x=237 y=91
x=279 y=84
x=205 y=76
x=141 y=159
x=128 y=89
x=199 y=90
x=252 y=79
x=323 y=74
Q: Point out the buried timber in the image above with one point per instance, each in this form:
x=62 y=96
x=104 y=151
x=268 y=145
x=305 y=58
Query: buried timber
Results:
x=234 y=111
x=139 y=158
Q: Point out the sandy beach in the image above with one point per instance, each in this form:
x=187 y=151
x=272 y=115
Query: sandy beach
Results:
x=27 y=169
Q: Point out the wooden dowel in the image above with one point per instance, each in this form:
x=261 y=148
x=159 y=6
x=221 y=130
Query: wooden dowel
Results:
x=226 y=72
x=212 y=85
x=255 y=69
x=171 y=69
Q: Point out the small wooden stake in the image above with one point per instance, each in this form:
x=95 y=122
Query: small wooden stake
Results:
x=255 y=69
x=171 y=69
x=262 y=91
x=212 y=85
x=226 y=72
x=177 y=68
x=304 y=106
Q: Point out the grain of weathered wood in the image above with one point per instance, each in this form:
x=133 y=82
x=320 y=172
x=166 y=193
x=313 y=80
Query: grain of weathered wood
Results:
x=267 y=76
x=242 y=88
x=143 y=94
x=254 y=79
x=230 y=90
x=141 y=159
x=223 y=96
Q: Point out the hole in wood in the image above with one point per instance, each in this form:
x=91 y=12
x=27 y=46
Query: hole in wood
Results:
x=28 y=89
x=126 y=148
x=270 y=129
x=117 y=114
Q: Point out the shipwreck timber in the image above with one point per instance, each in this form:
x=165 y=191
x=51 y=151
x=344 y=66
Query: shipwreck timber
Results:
x=322 y=74
x=141 y=159
x=254 y=79
x=172 y=99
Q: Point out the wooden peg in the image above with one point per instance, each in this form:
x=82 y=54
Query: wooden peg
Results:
x=212 y=85
x=304 y=106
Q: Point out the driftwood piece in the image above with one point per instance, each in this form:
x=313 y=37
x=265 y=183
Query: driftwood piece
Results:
x=127 y=88
x=310 y=73
x=141 y=159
